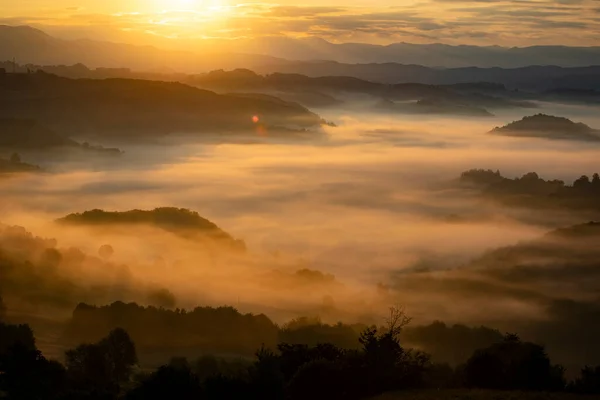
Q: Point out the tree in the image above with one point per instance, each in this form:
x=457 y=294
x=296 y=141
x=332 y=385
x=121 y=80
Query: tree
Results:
x=596 y=180
x=318 y=380
x=169 y=382
x=11 y=335
x=121 y=354
x=582 y=182
x=514 y=365
x=397 y=320
x=106 y=252
x=102 y=366
x=26 y=374
x=588 y=382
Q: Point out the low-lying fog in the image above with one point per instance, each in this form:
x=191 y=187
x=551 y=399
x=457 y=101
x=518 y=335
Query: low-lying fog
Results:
x=370 y=200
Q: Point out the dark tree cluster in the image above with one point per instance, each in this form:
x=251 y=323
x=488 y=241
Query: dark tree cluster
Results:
x=451 y=344
x=311 y=331
x=296 y=371
x=379 y=363
x=36 y=271
x=513 y=365
x=532 y=191
x=221 y=329
x=92 y=371
x=180 y=221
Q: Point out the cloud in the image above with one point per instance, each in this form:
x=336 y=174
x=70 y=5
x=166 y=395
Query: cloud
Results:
x=501 y=22
x=297 y=11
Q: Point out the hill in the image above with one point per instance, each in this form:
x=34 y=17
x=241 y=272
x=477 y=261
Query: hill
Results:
x=432 y=55
x=138 y=107
x=15 y=165
x=549 y=127
x=29 y=135
x=437 y=99
x=528 y=77
x=433 y=106
x=183 y=222
x=533 y=192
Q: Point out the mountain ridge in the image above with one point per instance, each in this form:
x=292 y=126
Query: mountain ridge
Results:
x=23 y=43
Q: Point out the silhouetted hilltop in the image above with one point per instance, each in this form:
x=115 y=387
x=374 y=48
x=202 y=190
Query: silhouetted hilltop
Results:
x=15 y=165
x=431 y=106
x=117 y=106
x=548 y=126
x=180 y=221
x=531 y=191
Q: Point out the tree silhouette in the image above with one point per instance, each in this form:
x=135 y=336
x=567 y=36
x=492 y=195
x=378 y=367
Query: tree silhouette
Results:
x=169 y=382
x=514 y=365
x=596 y=180
x=106 y=251
x=588 y=382
x=102 y=366
x=24 y=372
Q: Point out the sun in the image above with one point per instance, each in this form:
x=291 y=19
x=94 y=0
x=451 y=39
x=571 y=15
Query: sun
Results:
x=187 y=3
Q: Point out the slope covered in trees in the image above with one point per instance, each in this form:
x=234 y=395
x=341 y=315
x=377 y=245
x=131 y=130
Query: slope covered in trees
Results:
x=548 y=127
x=532 y=191
x=180 y=221
x=148 y=108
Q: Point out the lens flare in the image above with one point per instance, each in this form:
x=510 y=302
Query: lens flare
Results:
x=255 y=119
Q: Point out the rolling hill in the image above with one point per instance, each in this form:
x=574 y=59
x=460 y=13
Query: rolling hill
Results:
x=548 y=127
x=136 y=107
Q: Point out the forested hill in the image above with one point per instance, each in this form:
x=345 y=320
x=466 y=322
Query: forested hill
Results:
x=118 y=106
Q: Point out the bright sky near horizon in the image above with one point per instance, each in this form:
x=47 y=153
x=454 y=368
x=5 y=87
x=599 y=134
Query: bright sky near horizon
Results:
x=481 y=22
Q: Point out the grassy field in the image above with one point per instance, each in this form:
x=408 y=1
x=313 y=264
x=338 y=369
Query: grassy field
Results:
x=464 y=394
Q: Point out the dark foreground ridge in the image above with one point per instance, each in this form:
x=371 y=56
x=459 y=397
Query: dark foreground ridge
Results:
x=379 y=363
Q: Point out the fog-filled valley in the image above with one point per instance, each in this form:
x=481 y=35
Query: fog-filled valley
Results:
x=370 y=213
x=287 y=227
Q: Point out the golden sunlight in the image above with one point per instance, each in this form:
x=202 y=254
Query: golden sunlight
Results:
x=191 y=5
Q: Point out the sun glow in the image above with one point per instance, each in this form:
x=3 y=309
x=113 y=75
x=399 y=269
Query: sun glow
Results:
x=189 y=5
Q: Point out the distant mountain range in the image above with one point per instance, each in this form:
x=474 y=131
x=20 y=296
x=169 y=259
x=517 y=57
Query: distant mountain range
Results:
x=29 y=45
x=432 y=55
x=533 y=77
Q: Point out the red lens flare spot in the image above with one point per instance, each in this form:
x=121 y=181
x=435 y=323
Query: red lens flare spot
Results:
x=255 y=119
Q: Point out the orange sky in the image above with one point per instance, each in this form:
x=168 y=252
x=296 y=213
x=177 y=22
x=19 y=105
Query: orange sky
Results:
x=482 y=22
